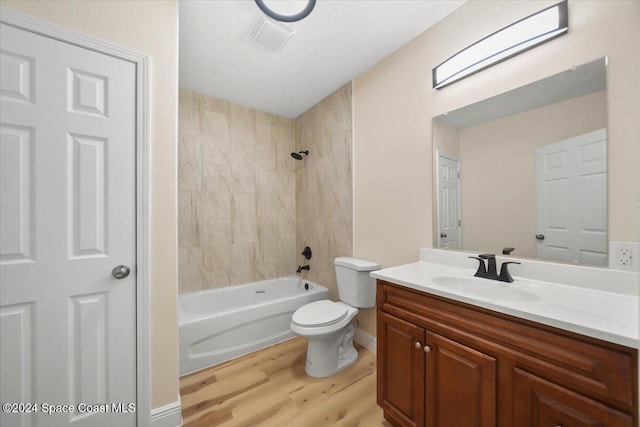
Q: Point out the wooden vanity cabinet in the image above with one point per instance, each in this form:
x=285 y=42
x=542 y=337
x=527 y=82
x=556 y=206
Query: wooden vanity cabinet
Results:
x=459 y=391
x=445 y=363
x=401 y=371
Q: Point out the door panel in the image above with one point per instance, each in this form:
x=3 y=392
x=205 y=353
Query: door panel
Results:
x=16 y=207
x=16 y=358
x=461 y=385
x=68 y=218
x=87 y=196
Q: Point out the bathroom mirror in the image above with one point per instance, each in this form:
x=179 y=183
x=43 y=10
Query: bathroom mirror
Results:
x=525 y=172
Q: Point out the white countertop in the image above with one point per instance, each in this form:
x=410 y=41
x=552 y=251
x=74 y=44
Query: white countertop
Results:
x=606 y=315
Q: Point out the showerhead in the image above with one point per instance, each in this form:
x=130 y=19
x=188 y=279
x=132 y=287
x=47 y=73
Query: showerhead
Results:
x=298 y=155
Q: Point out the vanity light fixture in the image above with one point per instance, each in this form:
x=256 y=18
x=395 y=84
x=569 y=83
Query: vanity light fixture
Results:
x=286 y=10
x=516 y=38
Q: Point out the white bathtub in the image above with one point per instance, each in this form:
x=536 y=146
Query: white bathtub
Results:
x=219 y=324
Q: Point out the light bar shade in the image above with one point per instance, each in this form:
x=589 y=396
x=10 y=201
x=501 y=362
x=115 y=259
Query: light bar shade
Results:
x=505 y=43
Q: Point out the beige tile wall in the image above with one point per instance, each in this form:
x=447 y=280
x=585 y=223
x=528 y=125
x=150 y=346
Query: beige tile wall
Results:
x=246 y=208
x=324 y=190
x=236 y=194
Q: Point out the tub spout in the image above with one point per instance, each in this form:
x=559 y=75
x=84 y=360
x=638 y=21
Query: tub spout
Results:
x=303 y=267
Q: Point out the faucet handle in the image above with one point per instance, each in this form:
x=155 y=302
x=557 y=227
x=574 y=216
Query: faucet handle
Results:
x=481 y=268
x=504 y=271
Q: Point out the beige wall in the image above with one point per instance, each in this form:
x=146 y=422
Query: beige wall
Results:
x=445 y=139
x=324 y=190
x=498 y=164
x=394 y=102
x=149 y=27
x=236 y=194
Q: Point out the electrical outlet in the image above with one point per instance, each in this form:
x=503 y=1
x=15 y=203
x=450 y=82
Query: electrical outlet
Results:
x=624 y=256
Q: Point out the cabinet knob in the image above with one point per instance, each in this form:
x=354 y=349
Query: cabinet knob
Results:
x=417 y=344
x=427 y=349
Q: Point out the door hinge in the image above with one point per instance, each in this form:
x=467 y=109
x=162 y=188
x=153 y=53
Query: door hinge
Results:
x=459 y=223
x=458 y=175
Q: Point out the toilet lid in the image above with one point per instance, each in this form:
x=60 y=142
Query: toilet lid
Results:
x=319 y=313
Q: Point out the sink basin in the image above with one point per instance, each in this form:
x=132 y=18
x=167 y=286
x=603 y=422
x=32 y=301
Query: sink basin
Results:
x=485 y=288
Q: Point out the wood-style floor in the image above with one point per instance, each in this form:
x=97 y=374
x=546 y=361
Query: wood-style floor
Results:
x=270 y=388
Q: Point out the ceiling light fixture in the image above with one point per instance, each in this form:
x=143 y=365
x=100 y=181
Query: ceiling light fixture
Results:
x=286 y=10
x=503 y=44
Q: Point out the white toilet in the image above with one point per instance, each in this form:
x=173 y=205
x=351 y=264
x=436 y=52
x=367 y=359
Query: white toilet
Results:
x=329 y=326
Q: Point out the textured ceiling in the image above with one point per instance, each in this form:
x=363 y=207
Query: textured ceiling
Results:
x=337 y=42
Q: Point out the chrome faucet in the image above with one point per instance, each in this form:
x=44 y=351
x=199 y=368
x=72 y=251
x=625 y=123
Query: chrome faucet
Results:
x=490 y=270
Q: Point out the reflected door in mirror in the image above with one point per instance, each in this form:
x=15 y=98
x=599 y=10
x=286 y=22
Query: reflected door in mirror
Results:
x=572 y=199
x=449 y=203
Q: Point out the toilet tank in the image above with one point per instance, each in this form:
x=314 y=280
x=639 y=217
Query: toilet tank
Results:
x=355 y=286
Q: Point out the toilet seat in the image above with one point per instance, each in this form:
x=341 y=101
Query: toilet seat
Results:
x=319 y=313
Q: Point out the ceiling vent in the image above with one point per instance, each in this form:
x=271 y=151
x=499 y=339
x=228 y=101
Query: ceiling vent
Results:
x=271 y=34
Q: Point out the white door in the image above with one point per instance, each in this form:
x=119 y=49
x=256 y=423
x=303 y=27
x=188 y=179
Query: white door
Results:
x=572 y=199
x=449 y=223
x=67 y=186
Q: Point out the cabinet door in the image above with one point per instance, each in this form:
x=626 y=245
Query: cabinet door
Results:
x=539 y=403
x=401 y=367
x=461 y=385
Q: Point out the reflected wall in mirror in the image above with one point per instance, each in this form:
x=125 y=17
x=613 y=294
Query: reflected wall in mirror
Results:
x=525 y=172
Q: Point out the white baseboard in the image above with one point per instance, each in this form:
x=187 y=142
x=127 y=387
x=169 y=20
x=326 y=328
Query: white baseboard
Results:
x=365 y=340
x=169 y=415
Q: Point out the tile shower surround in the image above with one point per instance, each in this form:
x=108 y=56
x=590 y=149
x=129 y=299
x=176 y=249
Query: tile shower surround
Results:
x=246 y=208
